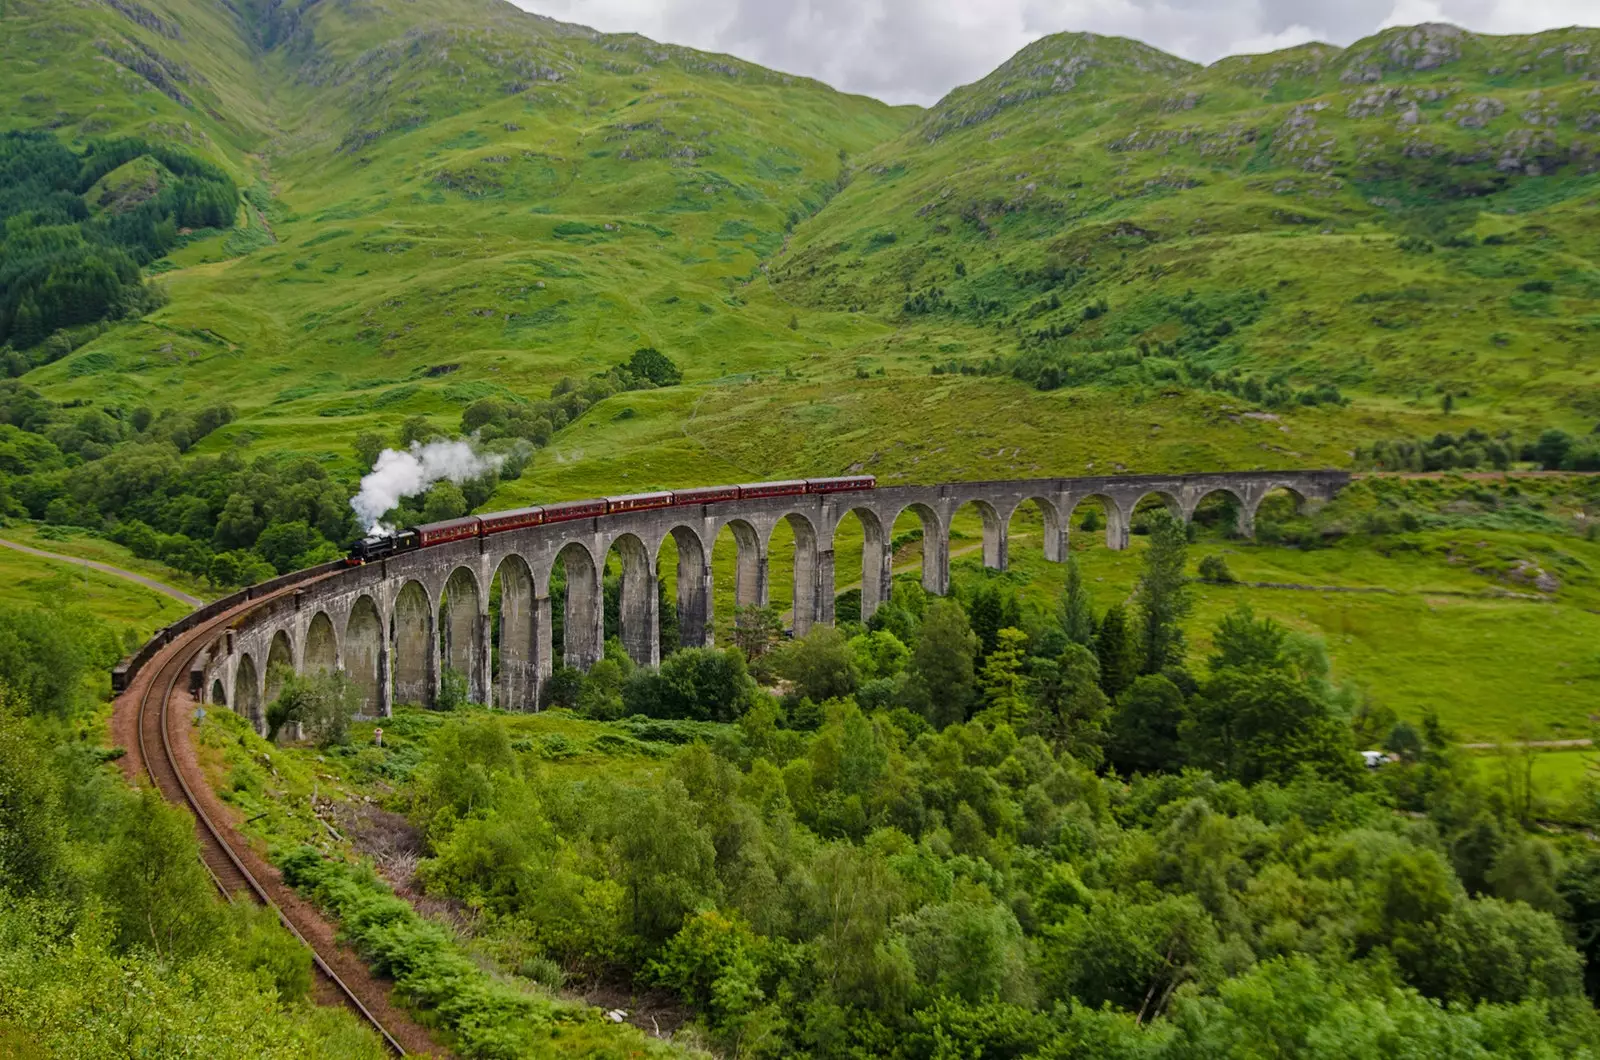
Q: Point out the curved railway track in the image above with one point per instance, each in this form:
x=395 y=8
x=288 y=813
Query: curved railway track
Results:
x=227 y=868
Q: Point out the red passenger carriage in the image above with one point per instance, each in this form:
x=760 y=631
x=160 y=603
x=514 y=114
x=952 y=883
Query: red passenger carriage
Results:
x=759 y=490
x=639 y=502
x=517 y=519
x=705 y=495
x=840 y=485
x=559 y=513
x=449 y=530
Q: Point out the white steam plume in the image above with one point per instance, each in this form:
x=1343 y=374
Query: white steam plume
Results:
x=406 y=473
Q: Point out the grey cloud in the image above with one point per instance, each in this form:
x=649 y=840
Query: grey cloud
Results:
x=914 y=51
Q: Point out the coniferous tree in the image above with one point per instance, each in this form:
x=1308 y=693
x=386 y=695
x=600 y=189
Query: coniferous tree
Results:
x=1070 y=709
x=1004 y=685
x=1580 y=889
x=1117 y=652
x=992 y=609
x=1266 y=712
x=756 y=629
x=1077 y=607
x=26 y=328
x=1163 y=596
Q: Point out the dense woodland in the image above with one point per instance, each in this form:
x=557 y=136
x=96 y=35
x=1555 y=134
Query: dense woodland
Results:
x=967 y=828
x=1473 y=449
x=971 y=828
x=75 y=236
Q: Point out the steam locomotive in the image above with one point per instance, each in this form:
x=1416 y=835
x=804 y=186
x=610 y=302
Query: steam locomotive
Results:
x=381 y=546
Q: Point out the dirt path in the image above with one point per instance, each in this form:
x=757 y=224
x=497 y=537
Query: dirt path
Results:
x=1538 y=745
x=1469 y=594
x=106 y=568
x=1473 y=476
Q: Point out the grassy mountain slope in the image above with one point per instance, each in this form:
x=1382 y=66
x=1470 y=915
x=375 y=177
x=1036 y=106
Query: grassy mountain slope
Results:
x=182 y=71
x=458 y=200
x=466 y=185
x=1409 y=216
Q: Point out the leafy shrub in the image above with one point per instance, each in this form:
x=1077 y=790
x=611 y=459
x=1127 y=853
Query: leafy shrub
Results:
x=544 y=971
x=1214 y=570
x=713 y=962
x=702 y=684
x=67 y=992
x=650 y=364
x=820 y=665
x=1442 y=452
x=454 y=691
x=666 y=731
x=509 y=416
x=562 y=688
x=324 y=703
x=488 y=1018
x=43 y=655
x=261 y=944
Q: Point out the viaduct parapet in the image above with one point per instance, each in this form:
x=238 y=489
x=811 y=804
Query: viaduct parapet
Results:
x=395 y=625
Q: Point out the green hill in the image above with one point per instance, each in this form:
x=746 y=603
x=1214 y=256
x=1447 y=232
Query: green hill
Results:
x=458 y=189
x=458 y=200
x=1099 y=256
x=1404 y=219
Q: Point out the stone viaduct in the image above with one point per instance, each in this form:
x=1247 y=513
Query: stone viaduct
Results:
x=395 y=625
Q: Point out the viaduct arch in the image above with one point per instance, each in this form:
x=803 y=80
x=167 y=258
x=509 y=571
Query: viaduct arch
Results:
x=396 y=624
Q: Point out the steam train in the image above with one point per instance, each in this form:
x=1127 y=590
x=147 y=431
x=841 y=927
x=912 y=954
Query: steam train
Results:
x=381 y=546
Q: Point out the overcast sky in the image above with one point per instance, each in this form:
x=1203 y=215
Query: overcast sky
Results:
x=914 y=51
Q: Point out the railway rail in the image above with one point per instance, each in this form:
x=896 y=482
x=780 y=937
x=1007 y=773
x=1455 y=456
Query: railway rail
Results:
x=227 y=869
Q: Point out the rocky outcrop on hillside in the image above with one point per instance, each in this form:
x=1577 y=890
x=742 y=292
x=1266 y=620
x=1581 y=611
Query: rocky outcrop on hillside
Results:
x=1059 y=65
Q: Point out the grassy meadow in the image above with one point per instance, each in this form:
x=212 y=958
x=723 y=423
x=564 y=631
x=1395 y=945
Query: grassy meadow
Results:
x=31 y=581
x=1444 y=618
x=86 y=544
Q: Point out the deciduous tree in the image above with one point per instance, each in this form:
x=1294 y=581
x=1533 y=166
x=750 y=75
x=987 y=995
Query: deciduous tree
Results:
x=820 y=665
x=1004 y=684
x=943 y=685
x=1143 y=734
